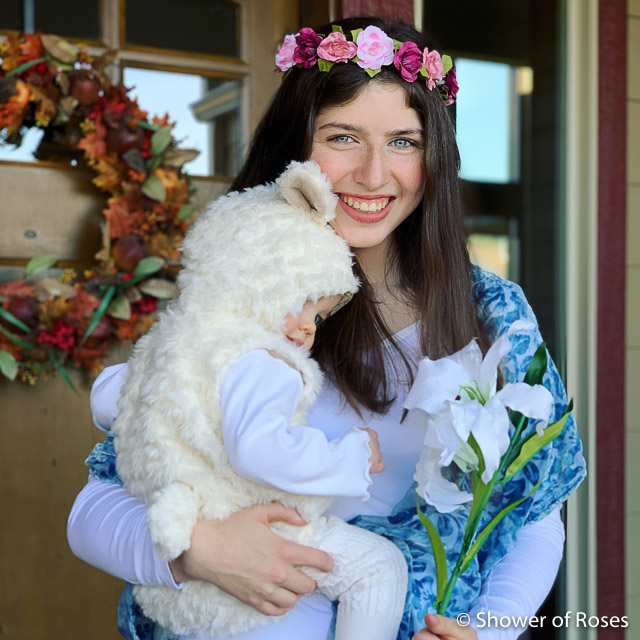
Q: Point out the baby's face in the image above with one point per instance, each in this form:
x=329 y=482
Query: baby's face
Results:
x=301 y=329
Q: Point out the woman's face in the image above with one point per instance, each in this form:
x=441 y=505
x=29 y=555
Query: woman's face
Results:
x=371 y=149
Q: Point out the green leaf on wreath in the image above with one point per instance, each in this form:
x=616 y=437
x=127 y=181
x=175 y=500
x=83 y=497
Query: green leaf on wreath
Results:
x=159 y=288
x=336 y=28
x=153 y=188
x=372 y=72
x=397 y=44
x=8 y=365
x=186 y=211
x=120 y=308
x=175 y=158
x=143 y=124
x=39 y=263
x=153 y=163
x=355 y=33
x=23 y=67
x=7 y=315
x=147 y=266
x=160 y=140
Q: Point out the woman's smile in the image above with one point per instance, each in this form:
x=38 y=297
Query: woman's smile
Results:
x=372 y=151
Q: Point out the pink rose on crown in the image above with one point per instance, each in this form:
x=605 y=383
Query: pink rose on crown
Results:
x=306 y=52
x=408 y=59
x=284 y=57
x=375 y=48
x=336 y=48
x=433 y=65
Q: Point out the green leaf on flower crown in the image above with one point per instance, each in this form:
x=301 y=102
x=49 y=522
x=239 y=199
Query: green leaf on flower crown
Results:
x=120 y=308
x=147 y=266
x=159 y=288
x=397 y=44
x=153 y=188
x=39 y=263
x=447 y=64
x=355 y=33
x=490 y=527
x=537 y=366
x=336 y=28
x=534 y=443
x=160 y=140
x=325 y=65
x=8 y=365
x=439 y=554
x=186 y=211
x=424 y=72
x=373 y=72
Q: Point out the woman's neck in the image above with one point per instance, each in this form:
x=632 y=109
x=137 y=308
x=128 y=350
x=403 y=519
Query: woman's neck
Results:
x=392 y=302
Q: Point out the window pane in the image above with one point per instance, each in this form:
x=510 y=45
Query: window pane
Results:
x=201 y=26
x=26 y=151
x=486 y=121
x=206 y=112
x=11 y=15
x=71 y=18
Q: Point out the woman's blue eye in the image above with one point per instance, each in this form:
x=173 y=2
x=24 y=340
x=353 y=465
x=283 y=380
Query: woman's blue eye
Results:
x=403 y=143
x=343 y=138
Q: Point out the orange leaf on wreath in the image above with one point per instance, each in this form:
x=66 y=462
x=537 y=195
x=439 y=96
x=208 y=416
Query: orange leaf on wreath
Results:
x=18 y=288
x=93 y=143
x=84 y=304
x=7 y=345
x=121 y=217
x=12 y=111
x=89 y=357
x=51 y=310
x=110 y=172
x=161 y=122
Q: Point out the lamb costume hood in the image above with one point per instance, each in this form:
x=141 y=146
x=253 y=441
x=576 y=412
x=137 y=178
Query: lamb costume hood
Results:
x=250 y=260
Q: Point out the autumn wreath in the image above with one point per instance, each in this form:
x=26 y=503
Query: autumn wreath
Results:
x=50 y=323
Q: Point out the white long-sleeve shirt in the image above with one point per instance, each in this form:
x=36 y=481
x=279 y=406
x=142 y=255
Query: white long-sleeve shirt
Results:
x=107 y=527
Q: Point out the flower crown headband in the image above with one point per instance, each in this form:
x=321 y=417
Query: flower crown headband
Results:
x=370 y=49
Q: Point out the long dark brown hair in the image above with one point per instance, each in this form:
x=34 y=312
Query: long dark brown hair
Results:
x=429 y=252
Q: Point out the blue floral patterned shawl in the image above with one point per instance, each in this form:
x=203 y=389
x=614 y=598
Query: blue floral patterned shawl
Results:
x=560 y=466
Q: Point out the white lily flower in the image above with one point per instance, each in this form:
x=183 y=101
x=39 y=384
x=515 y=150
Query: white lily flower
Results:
x=458 y=396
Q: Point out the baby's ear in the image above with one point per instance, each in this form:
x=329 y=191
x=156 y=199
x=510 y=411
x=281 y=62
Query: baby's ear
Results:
x=304 y=186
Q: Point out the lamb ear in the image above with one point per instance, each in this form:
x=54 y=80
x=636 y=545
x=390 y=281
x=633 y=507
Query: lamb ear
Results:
x=304 y=186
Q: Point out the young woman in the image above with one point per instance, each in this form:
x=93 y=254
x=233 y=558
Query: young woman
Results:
x=382 y=135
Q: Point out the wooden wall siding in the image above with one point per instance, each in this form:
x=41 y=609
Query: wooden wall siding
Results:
x=398 y=9
x=46 y=431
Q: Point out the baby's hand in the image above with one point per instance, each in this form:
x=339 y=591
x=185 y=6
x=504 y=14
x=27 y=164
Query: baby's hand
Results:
x=376 y=456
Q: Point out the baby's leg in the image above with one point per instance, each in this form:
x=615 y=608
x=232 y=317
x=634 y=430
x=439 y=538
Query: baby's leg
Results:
x=369 y=580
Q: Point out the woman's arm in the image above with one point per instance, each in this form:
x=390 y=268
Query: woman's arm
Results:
x=516 y=586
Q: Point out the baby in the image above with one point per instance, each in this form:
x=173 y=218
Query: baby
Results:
x=212 y=412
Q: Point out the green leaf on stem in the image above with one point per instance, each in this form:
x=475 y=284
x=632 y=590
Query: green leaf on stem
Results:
x=9 y=317
x=484 y=534
x=534 y=443
x=8 y=365
x=143 y=124
x=99 y=312
x=39 y=263
x=147 y=266
x=439 y=554
x=537 y=366
x=160 y=140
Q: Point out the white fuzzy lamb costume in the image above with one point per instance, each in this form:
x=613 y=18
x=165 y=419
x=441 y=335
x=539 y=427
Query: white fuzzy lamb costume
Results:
x=250 y=260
